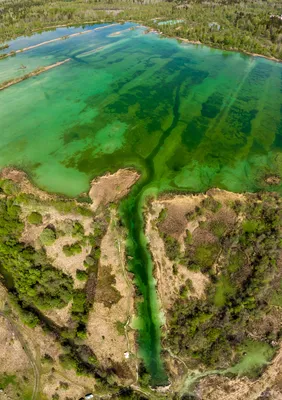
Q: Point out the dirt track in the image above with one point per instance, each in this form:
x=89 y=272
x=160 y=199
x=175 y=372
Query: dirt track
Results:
x=28 y=352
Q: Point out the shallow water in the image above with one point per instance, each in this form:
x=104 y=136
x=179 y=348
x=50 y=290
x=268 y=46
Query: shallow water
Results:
x=188 y=117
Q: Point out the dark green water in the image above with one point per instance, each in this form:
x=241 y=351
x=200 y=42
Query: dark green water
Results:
x=187 y=117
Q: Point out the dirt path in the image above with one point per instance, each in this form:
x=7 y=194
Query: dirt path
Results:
x=29 y=354
x=38 y=71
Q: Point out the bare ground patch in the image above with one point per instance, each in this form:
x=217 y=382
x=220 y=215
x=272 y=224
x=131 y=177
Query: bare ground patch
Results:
x=112 y=187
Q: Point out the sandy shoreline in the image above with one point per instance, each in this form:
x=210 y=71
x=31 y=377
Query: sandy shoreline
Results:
x=12 y=53
x=39 y=71
x=153 y=30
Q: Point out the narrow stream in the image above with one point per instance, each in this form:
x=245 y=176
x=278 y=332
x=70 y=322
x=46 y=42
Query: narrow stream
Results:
x=141 y=263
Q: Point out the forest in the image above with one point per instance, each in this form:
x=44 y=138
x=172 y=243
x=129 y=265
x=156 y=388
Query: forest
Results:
x=249 y=26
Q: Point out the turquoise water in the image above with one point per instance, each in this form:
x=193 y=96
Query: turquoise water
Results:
x=187 y=117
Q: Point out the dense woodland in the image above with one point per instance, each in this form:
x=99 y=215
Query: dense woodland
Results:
x=251 y=26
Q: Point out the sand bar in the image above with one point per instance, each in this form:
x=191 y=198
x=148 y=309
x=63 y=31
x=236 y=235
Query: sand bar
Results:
x=38 y=71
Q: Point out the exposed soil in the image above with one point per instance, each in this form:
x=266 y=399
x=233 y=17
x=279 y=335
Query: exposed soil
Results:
x=112 y=187
x=273 y=180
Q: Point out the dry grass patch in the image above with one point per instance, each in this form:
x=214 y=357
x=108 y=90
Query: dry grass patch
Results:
x=12 y=356
x=170 y=276
x=113 y=307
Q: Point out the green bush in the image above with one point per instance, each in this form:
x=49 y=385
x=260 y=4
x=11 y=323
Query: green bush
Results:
x=79 y=302
x=205 y=255
x=68 y=361
x=172 y=247
x=47 y=359
x=81 y=275
x=47 y=237
x=72 y=249
x=77 y=230
x=35 y=218
x=29 y=319
x=209 y=203
x=218 y=228
x=9 y=187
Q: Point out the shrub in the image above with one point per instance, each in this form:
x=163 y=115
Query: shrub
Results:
x=77 y=230
x=35 y=218
x=29 y=318
x=172 y=247
x=79 y=302
x=205 y=255
x=209 y=203
x=72 y=249
x=47 y=237
x=47 y=359
x=67 y=361
x=218 y=228
x=9 y=187
x=81 y=275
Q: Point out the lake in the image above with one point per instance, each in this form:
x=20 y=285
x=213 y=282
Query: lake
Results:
x=187 y=117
